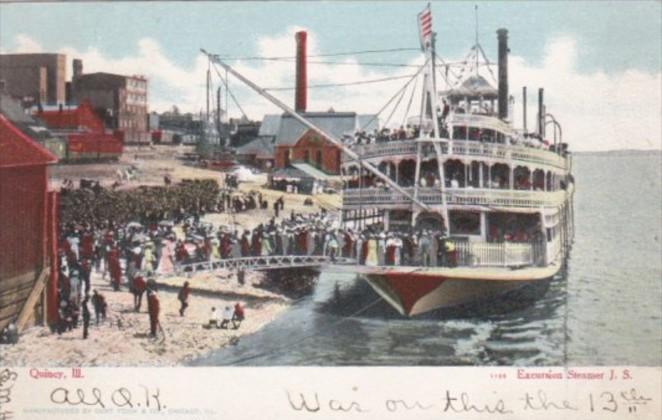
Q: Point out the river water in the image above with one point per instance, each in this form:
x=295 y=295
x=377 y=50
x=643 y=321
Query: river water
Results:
x=604 y=309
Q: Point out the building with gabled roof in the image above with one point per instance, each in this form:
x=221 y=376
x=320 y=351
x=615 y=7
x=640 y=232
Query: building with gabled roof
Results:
x=259 y=153
x=294 y=142
x=28 y=234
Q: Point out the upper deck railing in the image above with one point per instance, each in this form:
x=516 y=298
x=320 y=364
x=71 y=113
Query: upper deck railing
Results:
x=464 y=148
x=353 y=198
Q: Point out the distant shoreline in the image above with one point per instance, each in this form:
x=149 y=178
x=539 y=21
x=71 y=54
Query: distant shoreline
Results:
x=623 y=152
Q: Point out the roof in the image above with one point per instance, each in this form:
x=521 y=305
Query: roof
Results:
x=290 y=172
x=270 y=125
x=334 y=123
x=17 y=149
x=14 y=112
x=475 y=85
x=311 y=170
x=261 y=147
x=76 y=118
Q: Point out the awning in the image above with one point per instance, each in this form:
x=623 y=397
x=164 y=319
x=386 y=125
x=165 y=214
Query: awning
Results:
x=312 y=171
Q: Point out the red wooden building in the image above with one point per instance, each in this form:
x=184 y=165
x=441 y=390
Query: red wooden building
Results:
x=27 y=226
x=81 y=118
x=86 y=136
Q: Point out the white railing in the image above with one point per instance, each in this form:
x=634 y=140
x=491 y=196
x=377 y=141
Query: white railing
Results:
x=480 y=121
x=464 y=148
x=391 y=148
x=264 y=262
x=454 y=196
x=507 y=254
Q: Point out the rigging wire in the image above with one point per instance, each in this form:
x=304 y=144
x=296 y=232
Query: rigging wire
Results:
x=448 y=67
x=227 y=89
x=363 y=63
x=393 y=97
x=336 y=63
x=397 y=103
x=338 y=54
x=359 y=82
x=487 y=62
x=411 y=99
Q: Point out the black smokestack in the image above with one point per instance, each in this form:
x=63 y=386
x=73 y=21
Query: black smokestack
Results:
x=524 y=109
x=541 y=113
x=78 y=68
x=502 y=36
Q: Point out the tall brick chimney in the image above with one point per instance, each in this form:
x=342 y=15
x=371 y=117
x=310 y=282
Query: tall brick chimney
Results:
x=301 y=94
x=502 y=35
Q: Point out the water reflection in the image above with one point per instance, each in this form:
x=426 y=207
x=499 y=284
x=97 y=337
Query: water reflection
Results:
x=344 y=322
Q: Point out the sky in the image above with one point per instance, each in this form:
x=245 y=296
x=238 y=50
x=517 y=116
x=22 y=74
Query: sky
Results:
x=599 y=61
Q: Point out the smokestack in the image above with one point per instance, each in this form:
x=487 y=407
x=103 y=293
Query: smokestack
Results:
x=502 y=36
x=78 y=68
x=524 y=109
x=301 y=94
x=541 y=113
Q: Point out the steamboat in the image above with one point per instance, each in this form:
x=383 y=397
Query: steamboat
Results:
x=460 y=206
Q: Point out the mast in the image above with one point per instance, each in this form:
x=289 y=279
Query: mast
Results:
x=430 y=93
x=328 y=136
x=477 y=45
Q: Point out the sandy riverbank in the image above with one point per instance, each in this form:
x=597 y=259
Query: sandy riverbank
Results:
x=123 y=339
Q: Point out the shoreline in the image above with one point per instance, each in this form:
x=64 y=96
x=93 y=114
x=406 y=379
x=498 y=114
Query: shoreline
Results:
x=123 y=339
x=127 y=342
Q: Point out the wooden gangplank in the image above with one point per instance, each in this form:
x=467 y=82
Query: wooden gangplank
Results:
x=262 y=263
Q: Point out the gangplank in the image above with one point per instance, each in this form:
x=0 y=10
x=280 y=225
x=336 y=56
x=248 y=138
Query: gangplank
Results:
x=262 y=263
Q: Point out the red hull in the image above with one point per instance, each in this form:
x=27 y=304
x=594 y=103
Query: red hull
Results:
x=415 y=293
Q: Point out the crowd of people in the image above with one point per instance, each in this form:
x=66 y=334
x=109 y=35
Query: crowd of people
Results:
x=95 y=204
x=131 y=254
x=315 y=234
x=96 y=234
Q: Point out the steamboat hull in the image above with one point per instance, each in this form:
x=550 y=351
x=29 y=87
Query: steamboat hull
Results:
x=415 y=290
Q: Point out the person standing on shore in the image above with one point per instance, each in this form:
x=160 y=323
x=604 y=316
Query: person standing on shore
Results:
x=99 y=305
x=183 y=297
x=114 y=267
x=237 y=316
x=86 y=318
x=153 y=310
x=276 y=208
x=138 y=289
x=227 y=317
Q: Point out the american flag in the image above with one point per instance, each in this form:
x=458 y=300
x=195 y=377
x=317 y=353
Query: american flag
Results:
x=425 y=26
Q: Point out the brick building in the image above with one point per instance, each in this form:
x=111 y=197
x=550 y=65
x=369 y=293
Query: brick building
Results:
x=296 y=143
x=80 y=118
x=34 y=78
x=84 y=131
x=120 y=100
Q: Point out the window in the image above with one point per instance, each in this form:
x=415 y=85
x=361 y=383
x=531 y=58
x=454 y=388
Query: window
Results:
x=319 y=158
x=464 y=223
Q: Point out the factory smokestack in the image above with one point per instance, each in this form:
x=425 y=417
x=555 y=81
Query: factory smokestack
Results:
x=541 y=112
x=524 y=109
x=78 y=68
x=502 y=36
x=300 y=99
